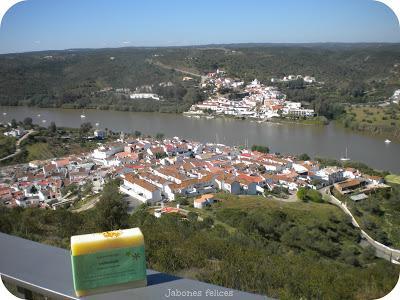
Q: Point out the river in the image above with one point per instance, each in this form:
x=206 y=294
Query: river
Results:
x=324 y=141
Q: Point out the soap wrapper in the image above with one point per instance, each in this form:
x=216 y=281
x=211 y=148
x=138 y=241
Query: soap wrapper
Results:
x=108 y=261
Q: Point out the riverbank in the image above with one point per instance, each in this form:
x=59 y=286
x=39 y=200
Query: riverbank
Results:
x=328 y=141
x=373 y=120
x=318 y=121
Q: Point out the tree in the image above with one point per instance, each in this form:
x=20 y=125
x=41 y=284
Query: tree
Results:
x=208 y=222
x=306 y=195
x=182 y=201
x=85 y=128
x=314 y=196
x=14 y=123
x=53 y=127
x=87 y=188
x=262 y=149
x=159 y=136
x=28 y=122
x=111 y=210
x=192 y=216
x=302 y=194
x=137 y=133
x=368 y=253
x=33 y=190
x=304 y=157
x=161 y=155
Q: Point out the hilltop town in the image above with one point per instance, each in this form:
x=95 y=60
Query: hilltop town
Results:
x=231 y=97
x=155 y=171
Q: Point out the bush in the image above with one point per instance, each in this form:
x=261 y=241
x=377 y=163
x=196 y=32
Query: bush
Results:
x=262 y=149
x=304 y=157
x=306 y=195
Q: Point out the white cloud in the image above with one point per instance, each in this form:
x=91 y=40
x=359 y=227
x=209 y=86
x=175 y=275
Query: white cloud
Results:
x=5 y=5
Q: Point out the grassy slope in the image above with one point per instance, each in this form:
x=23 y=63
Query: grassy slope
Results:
x=305 y=215
x=39 y=151
x=383 y=121
x=392 y=178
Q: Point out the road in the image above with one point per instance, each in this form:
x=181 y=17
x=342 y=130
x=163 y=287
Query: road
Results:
x=161 y=65
x=87 y=205
x=18 y=148
x=383 y=251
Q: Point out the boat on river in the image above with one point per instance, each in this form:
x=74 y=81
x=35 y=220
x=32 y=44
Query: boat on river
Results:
x=346 y=157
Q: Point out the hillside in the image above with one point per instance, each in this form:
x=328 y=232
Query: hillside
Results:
x=346 y=73
x=283 y=250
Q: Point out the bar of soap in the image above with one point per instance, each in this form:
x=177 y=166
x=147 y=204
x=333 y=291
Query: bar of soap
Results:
x=108 y=261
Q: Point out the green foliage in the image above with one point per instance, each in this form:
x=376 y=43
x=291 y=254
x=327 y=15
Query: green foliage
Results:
x=53 y=127
x=14 y=123
x=376 y=120
x=72 y=79
x=294 y=250
x=85 y=128
x=160 y=136
x=7 y=145
x=161 y=155
x=111 y=211
x=380 y=215
x=363 y=168
x=304 y=157
x=262 y=149
x=87 y=188
x=312 y=195
x=72 y=189
x=182 y=200
x=27 y=123
x=192 y=216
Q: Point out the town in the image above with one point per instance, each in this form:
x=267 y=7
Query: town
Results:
x=230 y=97
x=160 y=170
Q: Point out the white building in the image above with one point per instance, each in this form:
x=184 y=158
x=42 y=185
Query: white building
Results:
x=145 y=96
x=105 y=152
x=15 y=133
x=309 y=79
x=100 y=134
x=331 y=174
x=141 y=189
x=203 y=201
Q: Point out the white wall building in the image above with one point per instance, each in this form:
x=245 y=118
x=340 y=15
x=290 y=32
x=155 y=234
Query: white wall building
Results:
x=145 y=96
x=141 y=189
x=104 y=152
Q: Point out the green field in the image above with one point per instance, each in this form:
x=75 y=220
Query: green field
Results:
x=379 y=215
x=392 y=178
x=380 y=116
x=39 y=151
x=7 y=145
x=384 y=121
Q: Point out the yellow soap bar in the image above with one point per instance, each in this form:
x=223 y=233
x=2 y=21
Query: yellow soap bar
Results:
x=108 y=261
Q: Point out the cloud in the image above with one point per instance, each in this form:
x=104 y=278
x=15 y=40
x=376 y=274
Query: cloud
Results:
x=5 y=5
x=393 y=5
x=126 y=42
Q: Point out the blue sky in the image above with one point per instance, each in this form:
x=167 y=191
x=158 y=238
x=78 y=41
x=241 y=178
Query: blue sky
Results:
x=62 y=24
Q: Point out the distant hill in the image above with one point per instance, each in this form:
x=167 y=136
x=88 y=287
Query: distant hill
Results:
x=350 y=73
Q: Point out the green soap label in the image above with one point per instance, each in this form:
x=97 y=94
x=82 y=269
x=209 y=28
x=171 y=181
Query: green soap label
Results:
x=108 y=267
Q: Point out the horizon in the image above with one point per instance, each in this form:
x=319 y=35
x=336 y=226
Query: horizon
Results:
x=44 y=25
x=217 y=46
